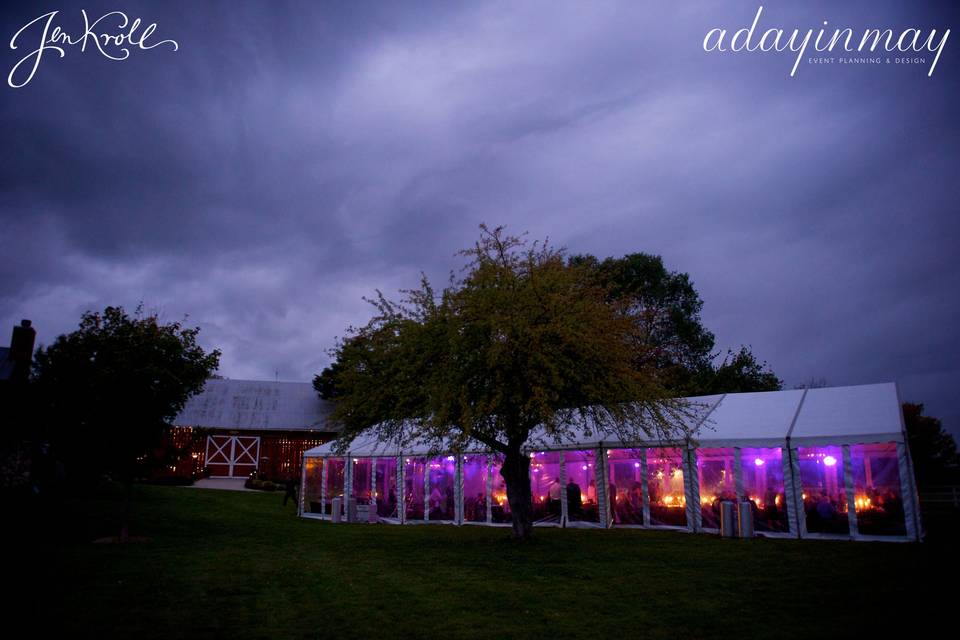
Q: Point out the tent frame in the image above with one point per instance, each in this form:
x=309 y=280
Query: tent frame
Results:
x=792 y=491
x=837 y=417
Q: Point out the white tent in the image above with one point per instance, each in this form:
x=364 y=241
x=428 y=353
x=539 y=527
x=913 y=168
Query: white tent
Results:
x=829 y=462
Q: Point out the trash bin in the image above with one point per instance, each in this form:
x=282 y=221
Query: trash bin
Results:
x=745 y=519
x=337 y=509
x=352 y=510
x=728 y=519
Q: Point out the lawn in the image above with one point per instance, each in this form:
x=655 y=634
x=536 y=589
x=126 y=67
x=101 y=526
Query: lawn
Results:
x=220 y=564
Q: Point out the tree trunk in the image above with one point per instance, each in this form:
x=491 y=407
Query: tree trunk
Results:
x=516 y=474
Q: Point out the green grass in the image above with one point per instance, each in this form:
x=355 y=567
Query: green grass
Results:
x=222 y=564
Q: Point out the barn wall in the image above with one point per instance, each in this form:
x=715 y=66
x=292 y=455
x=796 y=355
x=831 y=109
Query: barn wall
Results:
x=280 y=455
x=187 y=446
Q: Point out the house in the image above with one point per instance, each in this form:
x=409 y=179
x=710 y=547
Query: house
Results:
x=15 y=363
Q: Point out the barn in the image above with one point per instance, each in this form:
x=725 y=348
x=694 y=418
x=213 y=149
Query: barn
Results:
x=235 y=427
x=807 y=463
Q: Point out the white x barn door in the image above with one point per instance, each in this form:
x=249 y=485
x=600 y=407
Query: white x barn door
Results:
x=232 y=456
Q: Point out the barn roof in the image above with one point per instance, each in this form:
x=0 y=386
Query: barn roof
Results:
x=256 y=404
x=836 y=415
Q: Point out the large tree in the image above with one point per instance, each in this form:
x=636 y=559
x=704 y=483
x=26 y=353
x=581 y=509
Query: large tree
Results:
x=526 y=344
x=667 y=306
x=108 y=390
x=738 y=372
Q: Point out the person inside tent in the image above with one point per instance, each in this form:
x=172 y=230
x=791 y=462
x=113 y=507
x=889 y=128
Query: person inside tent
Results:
x=574 y=502
x=553 y=496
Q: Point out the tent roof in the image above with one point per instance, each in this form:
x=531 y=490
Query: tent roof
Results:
x=254 y=404
x=837 y=415
x=850 y=414
x=759 y=418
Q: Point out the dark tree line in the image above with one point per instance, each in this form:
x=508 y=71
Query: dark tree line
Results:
x=102 y=396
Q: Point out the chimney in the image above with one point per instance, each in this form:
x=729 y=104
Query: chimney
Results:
x=21 y=349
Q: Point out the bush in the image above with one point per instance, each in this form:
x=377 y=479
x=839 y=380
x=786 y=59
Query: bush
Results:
x=256 y=484
x=269 y=486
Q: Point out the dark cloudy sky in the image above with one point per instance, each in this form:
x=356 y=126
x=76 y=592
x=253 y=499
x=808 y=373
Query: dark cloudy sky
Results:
x=290 y=158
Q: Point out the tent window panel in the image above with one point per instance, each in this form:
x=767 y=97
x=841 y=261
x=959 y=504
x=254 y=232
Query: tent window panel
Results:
x=334 y=488
x=385 y=488
x=312 y=487
x=763 y=485
x=626 y=485
x=413 y=469
x=824 y=492
x=500 y=510
x=715 y=473
x=475 y=488
x=545 y=485
x=361 y=479
x=665 y=485
x=443 y=475
x=581 y=488
x=876 y=481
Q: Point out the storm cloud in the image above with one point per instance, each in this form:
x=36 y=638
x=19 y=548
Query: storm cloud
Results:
x=290 y=158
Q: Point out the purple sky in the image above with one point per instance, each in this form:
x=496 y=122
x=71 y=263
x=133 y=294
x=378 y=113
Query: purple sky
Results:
x=290 y=158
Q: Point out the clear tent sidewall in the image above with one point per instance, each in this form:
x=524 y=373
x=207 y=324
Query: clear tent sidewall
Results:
x=793 y=492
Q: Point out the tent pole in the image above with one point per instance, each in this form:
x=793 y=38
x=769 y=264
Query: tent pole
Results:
x=851 y=495
x=401 y=490
x=691 y=488
x=488 y=492
x=323 y=487
x=738 y=474
x=795 y=513
x=426 y=489
x=563 y=490
x=908 y=481
x=644 y=489
x=603 y=500
x=458 y=493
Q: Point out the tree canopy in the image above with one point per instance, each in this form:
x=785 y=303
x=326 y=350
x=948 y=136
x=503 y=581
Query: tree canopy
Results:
x=525 y=344
x=667 y=307
x=109 y=389
x=738 y=372
x=934 y=451
x=665 y=304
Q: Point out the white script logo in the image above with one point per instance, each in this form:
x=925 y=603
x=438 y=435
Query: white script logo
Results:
x=911 y=40
x=113 y=40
